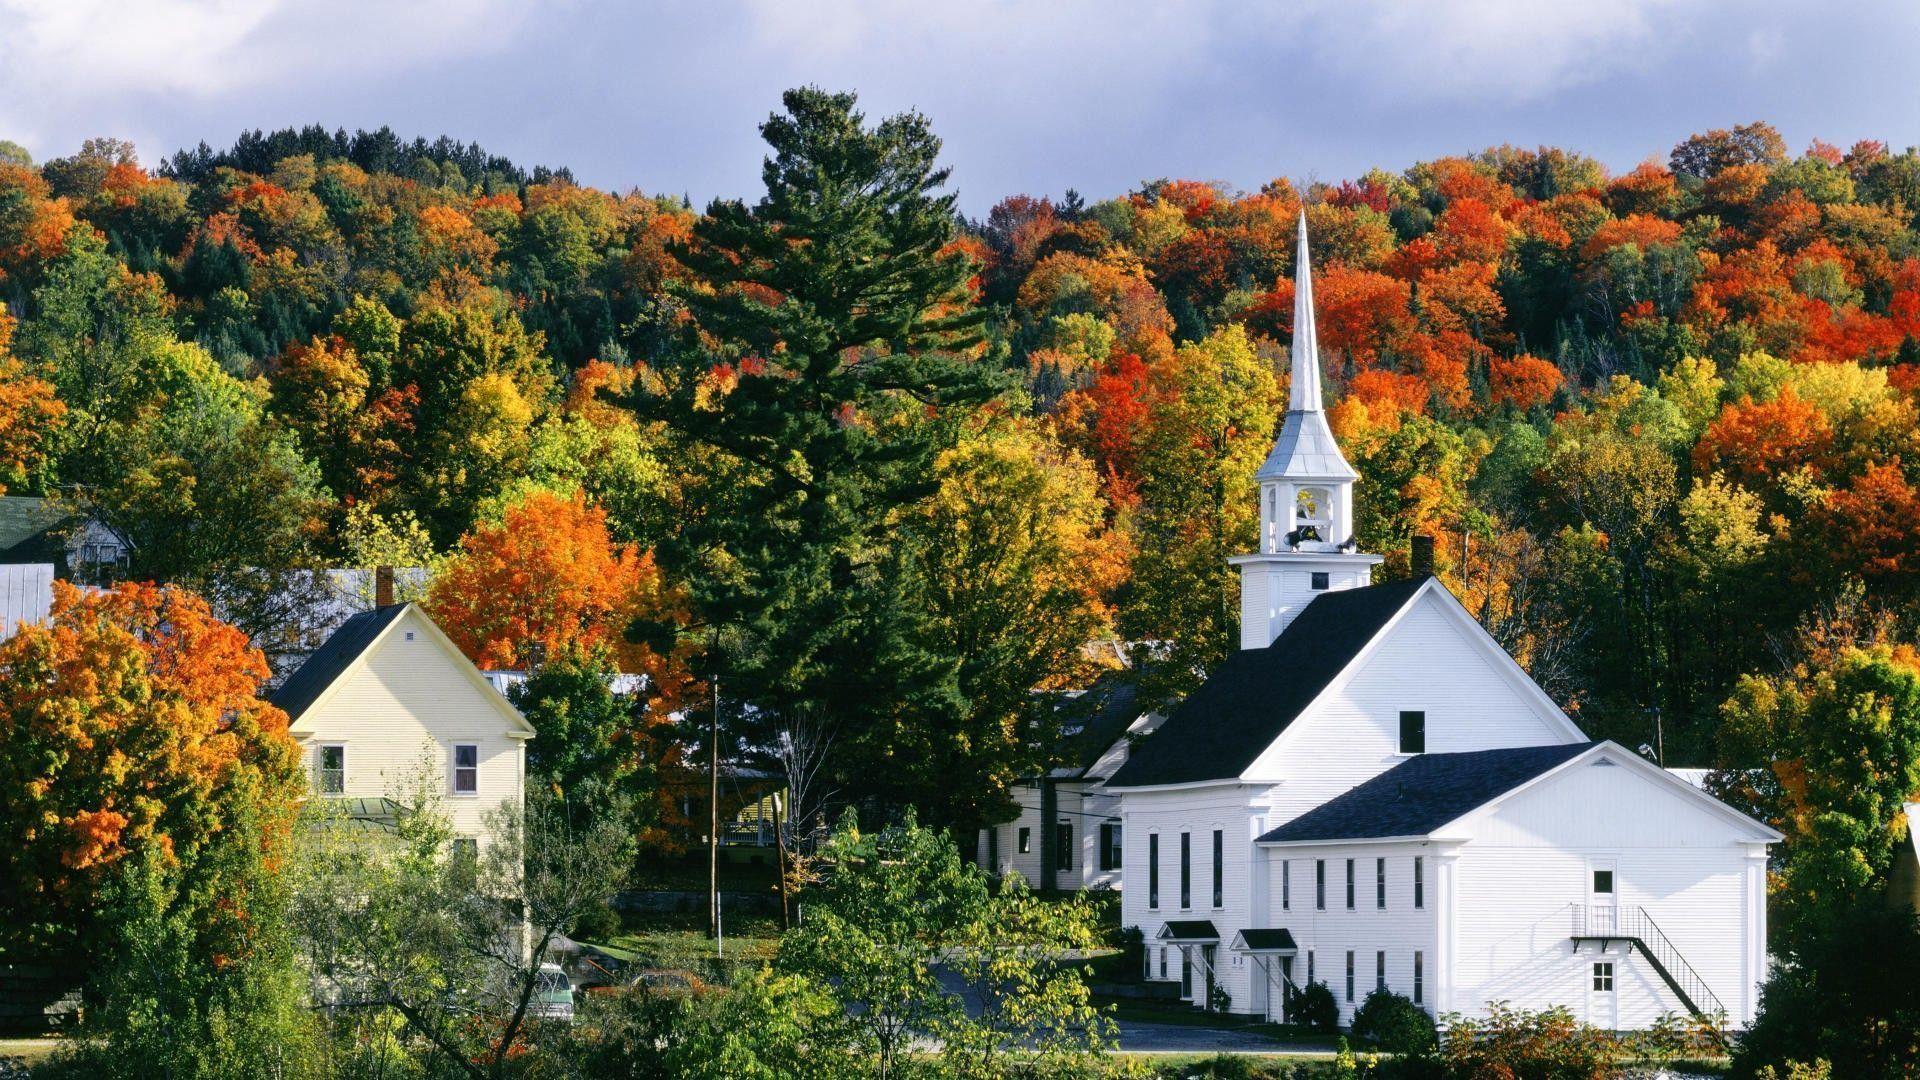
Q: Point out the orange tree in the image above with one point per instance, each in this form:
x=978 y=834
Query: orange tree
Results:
x=547 y=590
x=134 y=736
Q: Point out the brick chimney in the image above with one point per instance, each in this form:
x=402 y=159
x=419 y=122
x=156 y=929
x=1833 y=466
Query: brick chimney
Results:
x=383 y=583
x=1421 y=560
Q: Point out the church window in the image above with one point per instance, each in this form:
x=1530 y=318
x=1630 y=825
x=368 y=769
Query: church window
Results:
x=1603 y=976
x=1320 y=884
x=1320 y=581
x=1419 y=976
x=1419 y=882
x=1349 y=884
x=1153 y=872
x=1286 y=885
x=1380 y=970
x=1026 y=841
x=1349 y=974
x=1186 y=870
x=1413 y=732
x=1380 y=884
x=1219 y=868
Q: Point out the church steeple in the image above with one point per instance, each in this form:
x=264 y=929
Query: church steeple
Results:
x=1306 y=494
x=1305 y=393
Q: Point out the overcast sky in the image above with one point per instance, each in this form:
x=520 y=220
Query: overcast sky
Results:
x=1029 y=95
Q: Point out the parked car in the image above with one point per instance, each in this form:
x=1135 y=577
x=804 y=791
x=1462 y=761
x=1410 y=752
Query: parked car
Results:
x=552 y=995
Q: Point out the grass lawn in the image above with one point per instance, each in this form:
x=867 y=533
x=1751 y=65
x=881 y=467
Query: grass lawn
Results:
x=29 y=1049
x=680 y=943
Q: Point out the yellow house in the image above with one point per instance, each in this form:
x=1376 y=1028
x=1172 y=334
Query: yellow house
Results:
x=388 y=703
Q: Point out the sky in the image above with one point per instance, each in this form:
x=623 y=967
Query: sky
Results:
x=1030 y=96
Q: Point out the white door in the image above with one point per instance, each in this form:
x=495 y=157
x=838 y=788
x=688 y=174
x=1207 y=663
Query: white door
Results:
x=1603 y=995
x=1603 y=893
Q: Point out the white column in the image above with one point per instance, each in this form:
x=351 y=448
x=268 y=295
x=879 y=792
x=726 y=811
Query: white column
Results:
x=1446 y=924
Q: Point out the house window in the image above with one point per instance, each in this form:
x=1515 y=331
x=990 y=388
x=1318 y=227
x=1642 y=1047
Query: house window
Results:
x=1320 y=884
x=1419 y=882
x=1349 y=974
x=1219 y=867
x=1110 y=846
x=1419 y=976
x=466 y=768
x=1380 y=970
x=1063 y=846
x=1380 y=884
x=1319 y=581
x=1413 y=732
x=1286 y=885
x=1349 y=884
x=333 y=769
x=1026 y=841
x=1309 y=967
x=1153 y=877
x=466 y=850
x=1603 y=976
x=1186 y=870
x=1163 y=963
x=1603 y=882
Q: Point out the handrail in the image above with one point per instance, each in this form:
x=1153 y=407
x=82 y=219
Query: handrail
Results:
x=1635 y=926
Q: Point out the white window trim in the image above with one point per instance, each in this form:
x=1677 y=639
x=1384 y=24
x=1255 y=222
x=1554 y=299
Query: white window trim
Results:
x=320 y=769
x=453 y=771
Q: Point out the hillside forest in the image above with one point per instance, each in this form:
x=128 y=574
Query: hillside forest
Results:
x=881 y=469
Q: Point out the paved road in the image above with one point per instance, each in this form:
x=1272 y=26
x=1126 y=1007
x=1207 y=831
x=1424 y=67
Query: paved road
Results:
x=1147 y=1037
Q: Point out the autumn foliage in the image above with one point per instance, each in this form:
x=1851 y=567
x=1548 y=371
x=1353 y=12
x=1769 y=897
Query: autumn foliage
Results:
x=133 y=727
x=548 y=580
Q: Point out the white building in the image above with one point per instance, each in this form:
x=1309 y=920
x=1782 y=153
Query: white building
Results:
x=389 y=703
x=1083 y=847
x=1373 y=793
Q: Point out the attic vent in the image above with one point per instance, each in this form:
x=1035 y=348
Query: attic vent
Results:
x=409 y=635
x=1604 y=763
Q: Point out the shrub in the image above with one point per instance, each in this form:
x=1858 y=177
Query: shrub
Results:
x=1314 y=1007
x=1545 y=1045
x=599 y=923
x=1395 y=1024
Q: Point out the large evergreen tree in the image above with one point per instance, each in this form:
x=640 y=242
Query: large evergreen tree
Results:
x=833 y=351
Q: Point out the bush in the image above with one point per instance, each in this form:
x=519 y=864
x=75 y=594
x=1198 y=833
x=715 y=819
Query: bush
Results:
x=1545 y=1045
x=1314 y=1007
x=1843 y=995
x=1395 y=1024
x=599 y=923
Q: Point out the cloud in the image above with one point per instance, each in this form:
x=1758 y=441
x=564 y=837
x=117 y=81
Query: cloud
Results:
x=65 y=55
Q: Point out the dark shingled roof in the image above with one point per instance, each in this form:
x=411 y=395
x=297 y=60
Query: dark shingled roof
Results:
x=1264 y=940
x=331 y=659
x=1189 y=930
x=1103 y=714
x=30 y=530
x=1423 y=793
x=1251 y=698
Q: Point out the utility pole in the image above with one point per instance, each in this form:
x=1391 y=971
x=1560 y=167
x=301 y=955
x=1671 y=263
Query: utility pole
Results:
x=713 y=814
x=780 y=857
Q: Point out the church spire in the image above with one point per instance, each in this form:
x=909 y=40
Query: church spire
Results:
x=1305 y=395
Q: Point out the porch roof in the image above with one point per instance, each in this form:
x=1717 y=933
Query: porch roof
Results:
x=1276 y=941
x=1190 y=932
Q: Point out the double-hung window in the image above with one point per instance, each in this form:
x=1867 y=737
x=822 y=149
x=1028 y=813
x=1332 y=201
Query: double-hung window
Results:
x=1349 y=974
x=1419 y=976
x=1349 y=884
x=1286 y=884
x=1380 y=884
x=1063 y=846
x=1110 y=846
x=1419 y=882
x=333 y=769
x=1026 y=840
x=1380 y=970
x=1320 y=884
x=466 y=768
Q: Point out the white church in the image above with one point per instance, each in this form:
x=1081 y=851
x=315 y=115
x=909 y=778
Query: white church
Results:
x=1372 y=793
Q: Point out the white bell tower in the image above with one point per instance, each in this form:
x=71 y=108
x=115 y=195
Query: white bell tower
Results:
x=1306 y=496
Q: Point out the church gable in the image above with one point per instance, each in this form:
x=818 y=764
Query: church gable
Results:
x=1610 y=798
x=1432 y=660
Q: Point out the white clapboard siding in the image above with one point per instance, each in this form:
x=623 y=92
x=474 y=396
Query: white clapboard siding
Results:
x=1527 y=865
x=1424 y=661
x=1399 y=929
x=399 y=712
